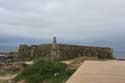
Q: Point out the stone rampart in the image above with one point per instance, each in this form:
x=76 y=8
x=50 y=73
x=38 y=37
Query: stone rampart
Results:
x=65 y=51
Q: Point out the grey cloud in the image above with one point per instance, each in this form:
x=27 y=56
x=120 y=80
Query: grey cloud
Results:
x=70 y=19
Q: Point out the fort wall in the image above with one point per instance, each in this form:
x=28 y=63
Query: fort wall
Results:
x=64 y=51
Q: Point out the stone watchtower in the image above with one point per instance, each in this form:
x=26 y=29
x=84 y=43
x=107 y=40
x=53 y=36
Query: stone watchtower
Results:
x=54 y=49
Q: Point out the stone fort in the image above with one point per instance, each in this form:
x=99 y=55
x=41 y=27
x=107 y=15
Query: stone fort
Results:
x=63 y=51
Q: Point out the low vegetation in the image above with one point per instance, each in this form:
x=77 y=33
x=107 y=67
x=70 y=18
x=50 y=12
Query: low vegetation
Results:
x=44 y=71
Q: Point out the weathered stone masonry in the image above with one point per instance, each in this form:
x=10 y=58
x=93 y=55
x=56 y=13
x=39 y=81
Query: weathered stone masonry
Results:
x=63 y=51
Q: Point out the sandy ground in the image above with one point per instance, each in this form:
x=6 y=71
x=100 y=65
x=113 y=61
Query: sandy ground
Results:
x=111 y=71
x=27 y=62
x=8 y=77
x=12 y=76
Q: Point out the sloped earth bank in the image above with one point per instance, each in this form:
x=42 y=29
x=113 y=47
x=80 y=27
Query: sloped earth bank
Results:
x=75 y=63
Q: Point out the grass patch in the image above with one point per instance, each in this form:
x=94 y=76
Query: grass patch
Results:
x=46 y=71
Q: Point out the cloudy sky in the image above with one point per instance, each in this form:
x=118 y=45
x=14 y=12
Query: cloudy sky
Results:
x=72 y=21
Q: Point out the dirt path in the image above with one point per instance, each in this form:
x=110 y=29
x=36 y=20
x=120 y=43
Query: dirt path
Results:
x=100 y=72
x=27 y=62
x=7 y=77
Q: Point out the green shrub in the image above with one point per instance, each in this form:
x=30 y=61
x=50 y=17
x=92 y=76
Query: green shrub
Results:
x=42 y=70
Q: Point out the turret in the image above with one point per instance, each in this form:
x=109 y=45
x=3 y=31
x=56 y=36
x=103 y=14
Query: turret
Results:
x=54 y=49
